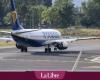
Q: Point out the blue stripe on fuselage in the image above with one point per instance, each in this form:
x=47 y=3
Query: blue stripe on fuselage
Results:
x=28 y=42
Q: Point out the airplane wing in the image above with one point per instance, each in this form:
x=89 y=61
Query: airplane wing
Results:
x=6 y=32
x=63 y=43
x=6 y=36
x=53 y=42
x=7 y=39
x=80 y=38
x=87 y=38
x=68 y=40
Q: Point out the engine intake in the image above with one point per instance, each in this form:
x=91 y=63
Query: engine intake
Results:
x=62 y=45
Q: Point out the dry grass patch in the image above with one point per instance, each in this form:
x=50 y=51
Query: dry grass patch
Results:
x=3 y=43
x=80 y=32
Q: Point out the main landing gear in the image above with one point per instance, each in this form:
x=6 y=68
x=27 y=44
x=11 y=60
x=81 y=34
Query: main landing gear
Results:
x=55 y=49
x=48 y=49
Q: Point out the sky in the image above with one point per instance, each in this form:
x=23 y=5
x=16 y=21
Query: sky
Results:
x=77 y=2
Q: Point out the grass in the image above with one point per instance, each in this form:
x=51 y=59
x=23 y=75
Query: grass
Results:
x=73 y=32
x=5 y=30
x=3 y=43
x=3 y=34
x=80 y=32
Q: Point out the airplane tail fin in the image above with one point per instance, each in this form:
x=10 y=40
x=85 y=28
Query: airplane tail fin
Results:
x=15 y=21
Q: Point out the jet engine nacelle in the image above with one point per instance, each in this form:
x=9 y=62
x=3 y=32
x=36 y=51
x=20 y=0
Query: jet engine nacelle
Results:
x=62 y=45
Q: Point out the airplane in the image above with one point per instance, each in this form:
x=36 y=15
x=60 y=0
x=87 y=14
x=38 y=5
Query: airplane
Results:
x=35 y=37
x=6 y=39
x=25 y=38
x=5 y=36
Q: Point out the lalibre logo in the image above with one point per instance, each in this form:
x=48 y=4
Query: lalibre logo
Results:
x=51 y=75
x=14 y=16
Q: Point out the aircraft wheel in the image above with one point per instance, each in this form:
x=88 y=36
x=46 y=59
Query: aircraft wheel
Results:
x=49 y=50
x=24 y=49
x=55 y=49
x=46 y=50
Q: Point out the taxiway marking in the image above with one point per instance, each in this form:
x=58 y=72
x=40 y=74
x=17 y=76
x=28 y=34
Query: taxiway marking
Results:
x=97 y=59
x=77 y=61
x=54 y=61
x=7 y=47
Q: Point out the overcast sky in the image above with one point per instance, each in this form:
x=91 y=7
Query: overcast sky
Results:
x=77 y=2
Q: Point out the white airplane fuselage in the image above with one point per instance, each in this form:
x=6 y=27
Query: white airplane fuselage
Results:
x=35 y=37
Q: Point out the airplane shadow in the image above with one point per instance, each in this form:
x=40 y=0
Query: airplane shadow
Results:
x=58 y=53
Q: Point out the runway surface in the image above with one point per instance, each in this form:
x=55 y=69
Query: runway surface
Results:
x=80 y=56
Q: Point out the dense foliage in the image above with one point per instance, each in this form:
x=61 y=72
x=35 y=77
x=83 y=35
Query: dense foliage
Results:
x=91 y=11
x=36 y=13
x=60 y=14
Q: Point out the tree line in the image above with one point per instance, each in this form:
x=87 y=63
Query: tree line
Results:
x=62 y=13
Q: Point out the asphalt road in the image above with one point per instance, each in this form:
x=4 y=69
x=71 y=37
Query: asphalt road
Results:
x=80 y=56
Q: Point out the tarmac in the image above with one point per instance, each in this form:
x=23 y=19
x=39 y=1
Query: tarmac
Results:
x=80 y=56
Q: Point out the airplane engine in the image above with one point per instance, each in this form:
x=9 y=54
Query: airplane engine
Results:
x=62 y=45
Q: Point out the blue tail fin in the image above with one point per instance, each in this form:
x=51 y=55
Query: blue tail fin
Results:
x=16 y=24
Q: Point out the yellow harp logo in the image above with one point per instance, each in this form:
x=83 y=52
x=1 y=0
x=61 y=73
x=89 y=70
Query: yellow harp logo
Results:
x=14 y=16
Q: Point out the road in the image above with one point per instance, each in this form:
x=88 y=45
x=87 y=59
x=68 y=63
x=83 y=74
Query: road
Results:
x=80 y=56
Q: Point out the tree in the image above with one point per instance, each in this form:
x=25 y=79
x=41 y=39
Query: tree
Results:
x=60 y=14
x=48 y=3
x=51 y=16
x=3 y=10
x=67 y=14
x=91 y=11
x=30 y=11
x=35 y=13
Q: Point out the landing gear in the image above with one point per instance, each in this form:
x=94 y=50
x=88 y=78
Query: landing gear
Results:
x=55 y=49
x=22 y=48
x=47 y=50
